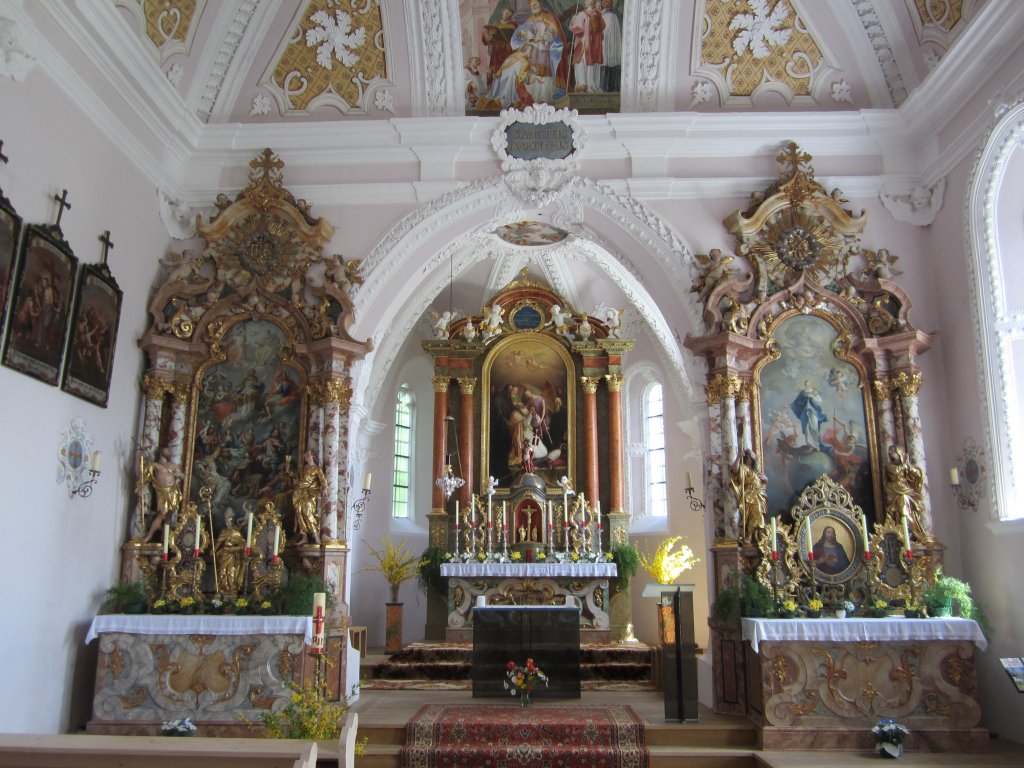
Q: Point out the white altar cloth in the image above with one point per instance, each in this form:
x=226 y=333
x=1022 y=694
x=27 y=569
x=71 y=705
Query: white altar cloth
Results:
x=202 y=624
x=890 y=629
x=531 y=570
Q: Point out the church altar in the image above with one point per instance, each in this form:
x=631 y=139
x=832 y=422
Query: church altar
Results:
x=213 y=669
x=822 y=683
x=585 y=584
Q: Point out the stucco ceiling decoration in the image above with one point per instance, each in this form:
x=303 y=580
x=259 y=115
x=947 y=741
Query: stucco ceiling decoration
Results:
x=335 y=54
x=757 y=46
x=937 y=21
x=169 y=25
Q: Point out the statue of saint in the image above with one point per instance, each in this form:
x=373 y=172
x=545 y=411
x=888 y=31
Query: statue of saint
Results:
x=748 y=485
x=904 y=492
x=309 y=487
x=230 y=549
x=164 y=475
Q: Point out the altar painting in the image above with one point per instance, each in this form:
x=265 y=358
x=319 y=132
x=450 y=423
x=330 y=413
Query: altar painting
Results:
x=813 y=417
x=529 y=409
x=248 y=419
x=566 y=53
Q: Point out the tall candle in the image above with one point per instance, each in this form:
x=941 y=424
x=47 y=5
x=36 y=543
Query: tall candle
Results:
x=97 y=457
x=954 y=476
x=319 y=643
x=867 y=540
x=775 y=535
x=366 y=482
x=456 y=509
x=248 y=533
x=810 y=545
x=489 y=514
x=277 y=540
x=906 y=534
x=199 y=537
x=504 y=510
x=689 y=482
x=167 y=539
x=565 y=506
x=597 y=511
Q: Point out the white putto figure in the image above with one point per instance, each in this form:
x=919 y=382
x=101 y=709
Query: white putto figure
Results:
x=491 y=324
x=560 y=320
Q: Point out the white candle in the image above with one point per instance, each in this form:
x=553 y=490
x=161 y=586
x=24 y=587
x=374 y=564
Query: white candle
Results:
x=867 y=540
x=565 y=507
x=248 y=531
x=456 y=509
x=551 y=515
x=97 y=457
x=366 y=482
x=504 y=510
x=597 y=511
x=954 y=476
x=490 y=517
x=319 y=623
x=906 y=534
x=775 y=535
x=810 y=545
x=199 y=537
x=167 y=538
x=689 y=482
x=277 y=540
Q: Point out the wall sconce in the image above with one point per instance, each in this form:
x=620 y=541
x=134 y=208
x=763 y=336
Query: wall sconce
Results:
x=696 y=504
x=965 y=501
x=359 y=505
x=78 y=463
x=967 y=477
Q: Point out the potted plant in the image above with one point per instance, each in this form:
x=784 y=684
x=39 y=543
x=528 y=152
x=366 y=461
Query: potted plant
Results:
x=398 y=565
x=626 y=560
x=125 y=597
x=944 y=591
x=295 y=596
x=889 y=736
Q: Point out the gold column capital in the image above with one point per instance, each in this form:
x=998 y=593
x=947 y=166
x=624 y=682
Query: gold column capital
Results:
x=615 y=381
x=589 y=384
x=745 y=390
x=441 y=383
x=882 y=389
x=155 y=387
x=720 y=387
x=467 y=385
x=179 y=391
x=908 y=384
x=333 y=391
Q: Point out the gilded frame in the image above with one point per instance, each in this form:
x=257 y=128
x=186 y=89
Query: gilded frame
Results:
x=89 y=362
x=10 y=236
x=531 y=353
x=855 y=466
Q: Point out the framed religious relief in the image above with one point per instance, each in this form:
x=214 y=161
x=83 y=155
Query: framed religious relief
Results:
x=815 y=417
x=44 y=282
x=94 y=321
x=529 y=409
x=10 y=229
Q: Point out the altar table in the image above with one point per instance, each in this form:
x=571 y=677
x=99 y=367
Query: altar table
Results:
x=582 y=584
x=822 y=683
x=215 y=670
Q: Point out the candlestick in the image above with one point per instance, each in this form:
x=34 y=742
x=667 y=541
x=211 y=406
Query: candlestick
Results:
x=954 y=476
x=167 y=539
x=867 y=539
x=199 y=537
x=775 y=538
x=319 y=642
x=810 y=545
x=906 y=535
x=277 y=541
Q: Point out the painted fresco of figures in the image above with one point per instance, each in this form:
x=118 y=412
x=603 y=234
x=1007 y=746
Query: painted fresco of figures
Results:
x=248 y=411
x=813 y=417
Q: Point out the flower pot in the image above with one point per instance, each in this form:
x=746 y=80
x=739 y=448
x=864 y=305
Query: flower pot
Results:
x=525 y=699
x=814 y=614
x=840 y=613
x=393 y=627
x=887 y=749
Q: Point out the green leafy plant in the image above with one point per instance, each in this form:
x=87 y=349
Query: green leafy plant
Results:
x=745 y=597
x=429 y=570
x=295 y=596
x=949 y=591
x=125 y=597
x=627 y=561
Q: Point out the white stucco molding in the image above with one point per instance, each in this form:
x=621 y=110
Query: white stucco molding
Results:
x=541 y=180
x=918 y=206
x=14 y=62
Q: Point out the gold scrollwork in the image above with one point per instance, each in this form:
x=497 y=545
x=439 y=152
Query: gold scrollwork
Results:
x=261 y=698
x=882 y=389
x=803 y=709
x=134 y=698
x=908 y=384
x=599 y=597
x=116 y=662
x=333 y=391
x=780 y=669
x=934 y=703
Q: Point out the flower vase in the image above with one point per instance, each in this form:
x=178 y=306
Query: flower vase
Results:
x=888 y=749
x=525 y=699
x=840 y=613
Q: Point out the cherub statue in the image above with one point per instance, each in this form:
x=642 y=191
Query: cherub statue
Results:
x=881 y=264
x=441 y=322
x=560 y=320
x=612 y=319
x=345 y=273
x=491 y=324
x=180 y=266
x=714 y=269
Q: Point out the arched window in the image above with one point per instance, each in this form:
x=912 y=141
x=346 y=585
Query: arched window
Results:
x=995 y=234
x=401 y=485
x=654 y=451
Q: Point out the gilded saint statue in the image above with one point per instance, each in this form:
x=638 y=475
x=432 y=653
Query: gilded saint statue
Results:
x=748 y=485
x=904 y=492
x=164 y=476
x=309 y=487
x=230 y=549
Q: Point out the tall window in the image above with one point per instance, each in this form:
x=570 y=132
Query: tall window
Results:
x=402 y=482
x=654 y=446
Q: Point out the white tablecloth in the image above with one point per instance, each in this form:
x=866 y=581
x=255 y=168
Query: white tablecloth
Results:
x=533 y=570
x=892 y=629
x=177 y=624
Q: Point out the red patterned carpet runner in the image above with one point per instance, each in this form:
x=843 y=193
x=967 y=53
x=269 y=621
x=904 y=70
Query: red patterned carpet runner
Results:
x=538 y=736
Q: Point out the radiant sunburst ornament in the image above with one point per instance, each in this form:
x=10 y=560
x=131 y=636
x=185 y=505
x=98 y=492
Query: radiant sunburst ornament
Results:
x=796 y=241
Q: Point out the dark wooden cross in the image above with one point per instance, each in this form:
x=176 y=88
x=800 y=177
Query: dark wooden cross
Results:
x=3 y=158
x=108 y=244
x=62 y=201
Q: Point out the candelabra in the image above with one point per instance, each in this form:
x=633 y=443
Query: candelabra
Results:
x=84 y=488
x=965 y=501
x=696 y=504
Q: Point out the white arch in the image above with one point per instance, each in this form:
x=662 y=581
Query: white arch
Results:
x=994 y=326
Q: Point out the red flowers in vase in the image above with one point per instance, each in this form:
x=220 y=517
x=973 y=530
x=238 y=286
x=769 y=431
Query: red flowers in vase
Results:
x=521 y=680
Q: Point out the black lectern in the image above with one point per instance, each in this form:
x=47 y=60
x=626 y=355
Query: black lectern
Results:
x=679 y=654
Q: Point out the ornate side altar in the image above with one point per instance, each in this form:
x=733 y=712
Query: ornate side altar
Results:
x=822 y=683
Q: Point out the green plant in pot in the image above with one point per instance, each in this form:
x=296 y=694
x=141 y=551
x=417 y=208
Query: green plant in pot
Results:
x=745 y=597
x=627 y=561
x=428 y=571
x=125 y=597
x=947 y=592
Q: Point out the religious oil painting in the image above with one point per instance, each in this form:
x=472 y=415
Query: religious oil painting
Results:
x=529 y=409
x=40 y=304
x=248 y=421
x=836 y=545
x=90 y=356
x=10 y=228
x=566 y=53
x=813 y=417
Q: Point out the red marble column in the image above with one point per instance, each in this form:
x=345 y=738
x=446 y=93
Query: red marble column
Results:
x=466 y=387
x=616 y=448
x=590 y=487
x=440 y=437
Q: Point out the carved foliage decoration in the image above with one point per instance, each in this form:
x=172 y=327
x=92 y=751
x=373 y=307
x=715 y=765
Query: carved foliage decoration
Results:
x=335 y=55
x=760 y=45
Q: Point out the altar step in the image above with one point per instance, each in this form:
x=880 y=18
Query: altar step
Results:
x=449 y=666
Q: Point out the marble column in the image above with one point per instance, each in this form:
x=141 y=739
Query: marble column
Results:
x=441 y=383
x=176 y=430
x=744 y=415
x=908 y=385
x=155 y=390
x=616 y=446
x=590 y=485
x=314 y=430
x=723 y=390
x=337 y=394
x=467 y=434
x=884 y=415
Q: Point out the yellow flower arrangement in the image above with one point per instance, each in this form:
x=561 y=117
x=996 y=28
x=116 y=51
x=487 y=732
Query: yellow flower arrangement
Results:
x=187 y=602
x=789 y=605
x=880 y=604
x=665 y=565
x=815 y=604
x=395 y=562
x=516 y=557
